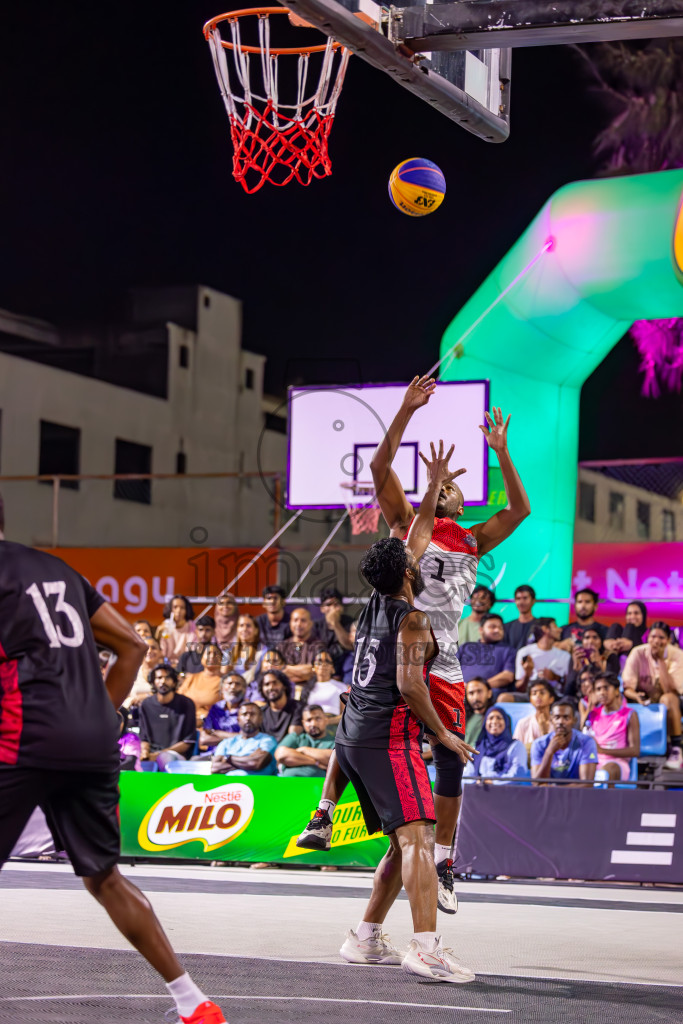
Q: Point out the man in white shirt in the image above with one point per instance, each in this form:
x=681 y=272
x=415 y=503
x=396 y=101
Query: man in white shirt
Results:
x=542 y=659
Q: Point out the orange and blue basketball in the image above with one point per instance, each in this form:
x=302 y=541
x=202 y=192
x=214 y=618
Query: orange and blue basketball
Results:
x=417 y=187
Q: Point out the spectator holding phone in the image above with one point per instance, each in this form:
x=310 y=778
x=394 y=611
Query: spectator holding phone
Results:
x=653 y=674
x=541 y=660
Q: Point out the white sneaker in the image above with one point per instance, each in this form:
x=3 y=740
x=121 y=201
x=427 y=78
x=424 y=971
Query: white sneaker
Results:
x=438 y=965
x=318 y=833
x=447 y=898
x=675 y=760
x=375 y=950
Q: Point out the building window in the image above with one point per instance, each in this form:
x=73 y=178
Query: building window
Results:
x=249 y=379
x=207 y=301
x=60 y=452
x=668 y=525
x=643 y=520
x=133 y=458
x=616 y=511
x=587 y=502
x=183 y=357
x=181 y=463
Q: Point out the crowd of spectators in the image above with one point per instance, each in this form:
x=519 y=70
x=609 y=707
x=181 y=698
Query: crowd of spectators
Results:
x=263 y=695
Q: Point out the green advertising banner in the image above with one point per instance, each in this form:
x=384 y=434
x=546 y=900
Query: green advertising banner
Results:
x=248 y=818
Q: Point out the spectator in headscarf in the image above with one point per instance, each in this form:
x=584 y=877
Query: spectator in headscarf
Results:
x=499 y=754
x=225 y=616
x=621 y=639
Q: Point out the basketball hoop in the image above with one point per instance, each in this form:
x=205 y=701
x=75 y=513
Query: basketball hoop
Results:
x=275 y=141
x=362 y=506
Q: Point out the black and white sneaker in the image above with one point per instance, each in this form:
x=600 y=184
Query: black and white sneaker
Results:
x=318 y=833
x=447 y=899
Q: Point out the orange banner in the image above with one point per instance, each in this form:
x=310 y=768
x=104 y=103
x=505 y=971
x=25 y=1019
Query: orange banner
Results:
x=139 y=581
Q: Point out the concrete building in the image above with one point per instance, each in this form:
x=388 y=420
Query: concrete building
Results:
x=613 y=510
x=197 y=407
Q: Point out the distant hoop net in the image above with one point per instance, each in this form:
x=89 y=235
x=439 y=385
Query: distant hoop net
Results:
x=275 y=141
x=362 y=506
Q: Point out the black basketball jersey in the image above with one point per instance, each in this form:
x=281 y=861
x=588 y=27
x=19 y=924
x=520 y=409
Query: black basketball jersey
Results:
x=376 y=715
x=54 y=707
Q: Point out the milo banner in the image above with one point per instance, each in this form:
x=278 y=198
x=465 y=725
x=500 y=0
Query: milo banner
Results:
x=242 y=818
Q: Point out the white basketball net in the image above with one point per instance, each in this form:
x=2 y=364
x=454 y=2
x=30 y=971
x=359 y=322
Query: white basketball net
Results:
x=273 y=140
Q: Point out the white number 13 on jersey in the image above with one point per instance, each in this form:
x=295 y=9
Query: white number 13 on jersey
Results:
x=365 y=662
x=53 y=631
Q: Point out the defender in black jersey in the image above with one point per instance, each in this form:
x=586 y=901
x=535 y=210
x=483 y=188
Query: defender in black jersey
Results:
x=58 y=740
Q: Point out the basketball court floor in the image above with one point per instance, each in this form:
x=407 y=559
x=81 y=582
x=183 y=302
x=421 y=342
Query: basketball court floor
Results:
x=265 y=945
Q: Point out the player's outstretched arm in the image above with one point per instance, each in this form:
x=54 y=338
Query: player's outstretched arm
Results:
x=396 y=509
x=438 y=474
x=499 y=527
x=411 y=645
x=111 y=630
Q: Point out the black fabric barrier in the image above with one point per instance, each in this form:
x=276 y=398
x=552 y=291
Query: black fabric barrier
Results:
x=562 y=832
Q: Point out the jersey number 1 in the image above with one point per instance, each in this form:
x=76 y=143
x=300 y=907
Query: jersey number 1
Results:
x=53 y=631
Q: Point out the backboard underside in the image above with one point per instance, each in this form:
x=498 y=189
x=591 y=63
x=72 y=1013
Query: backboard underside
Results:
x=456 y=56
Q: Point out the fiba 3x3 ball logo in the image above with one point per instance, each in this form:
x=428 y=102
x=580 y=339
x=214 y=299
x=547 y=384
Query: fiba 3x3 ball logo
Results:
x=212 y=817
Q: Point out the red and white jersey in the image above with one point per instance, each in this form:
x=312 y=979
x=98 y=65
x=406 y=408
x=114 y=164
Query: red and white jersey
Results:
x=449 y=570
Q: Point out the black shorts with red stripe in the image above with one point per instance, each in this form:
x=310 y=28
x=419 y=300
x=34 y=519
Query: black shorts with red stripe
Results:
x=392 y=785
x=449 y=703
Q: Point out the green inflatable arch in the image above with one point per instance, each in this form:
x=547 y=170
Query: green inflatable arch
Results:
x=598 y=256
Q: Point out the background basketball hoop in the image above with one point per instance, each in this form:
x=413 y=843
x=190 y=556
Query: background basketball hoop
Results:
x=362 y=506
x=275 y=141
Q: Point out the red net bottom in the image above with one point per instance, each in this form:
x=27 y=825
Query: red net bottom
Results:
x=364 y=520
x=296 y=149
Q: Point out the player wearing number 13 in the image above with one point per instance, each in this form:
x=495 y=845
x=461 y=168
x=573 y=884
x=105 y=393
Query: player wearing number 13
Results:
x=58 y=740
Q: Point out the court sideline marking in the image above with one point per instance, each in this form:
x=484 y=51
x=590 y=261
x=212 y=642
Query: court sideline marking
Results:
x=290 y=999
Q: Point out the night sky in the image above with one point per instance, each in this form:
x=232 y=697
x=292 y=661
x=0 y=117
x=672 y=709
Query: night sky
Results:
x=115 y=172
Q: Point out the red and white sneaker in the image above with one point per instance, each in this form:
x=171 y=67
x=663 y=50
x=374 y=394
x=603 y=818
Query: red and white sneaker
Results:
x=438 y=964
x=206 y=1013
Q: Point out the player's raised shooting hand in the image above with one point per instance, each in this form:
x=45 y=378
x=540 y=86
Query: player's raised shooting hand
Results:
x=438 y=472
x=420 y=390
x=496 y=430
x=464 y=751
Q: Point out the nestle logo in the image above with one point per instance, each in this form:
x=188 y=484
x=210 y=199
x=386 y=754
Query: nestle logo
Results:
x=223 y=797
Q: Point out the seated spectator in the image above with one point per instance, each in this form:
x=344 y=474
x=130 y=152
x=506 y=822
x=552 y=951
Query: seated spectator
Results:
x=282 y=714
x=614 y=727
x=537 y=724
x=322 y=689
x=300 y=650
x=204 y=688
x=221 y=721
x=349 y=657
x=225 y=617
x=142 y=687
x=248 y=752
x=191 y=661
x=499 y=754
x=490 y=658
x=167 y=721
x=542 y=659
x=176 y=629
x=307 y=754
x=478 y=698
x=587 y=697
x=653 y=674
x=482 y=601
x=271 y=659
x=143 y=628
x=129 y=745
x=246 y=654
x=273 y=623
x=334 y=629
x=585 y=605
x=564 y=753
x=620 y=640
x=589 y=652
x=519 y=632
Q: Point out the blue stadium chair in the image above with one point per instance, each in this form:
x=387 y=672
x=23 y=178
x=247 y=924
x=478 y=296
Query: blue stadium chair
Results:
x=652 y=718
x=149 y=766
x=515 y=711
x=189 y=767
